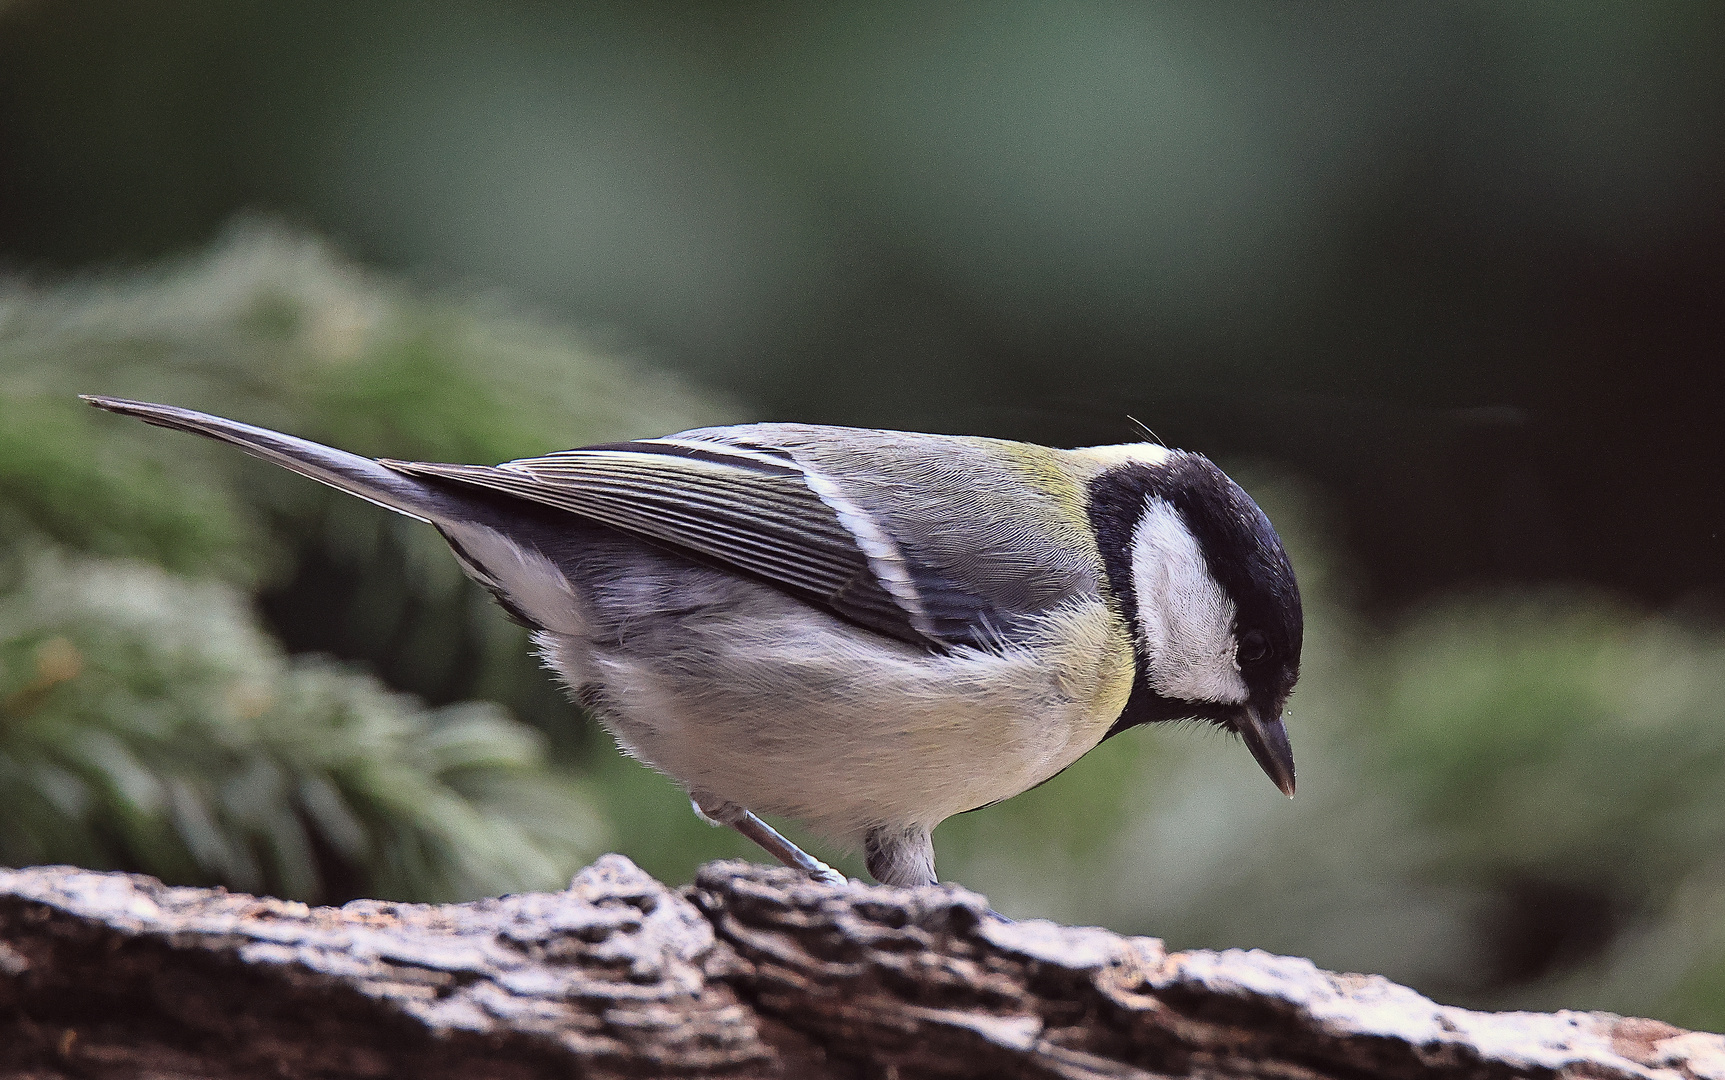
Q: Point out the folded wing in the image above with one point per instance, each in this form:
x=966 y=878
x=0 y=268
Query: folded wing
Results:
x=750 y=511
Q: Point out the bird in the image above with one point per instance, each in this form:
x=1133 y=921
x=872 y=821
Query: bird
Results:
x=867 y=631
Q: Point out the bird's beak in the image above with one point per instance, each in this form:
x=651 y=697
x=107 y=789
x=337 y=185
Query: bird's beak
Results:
x=1268 y=741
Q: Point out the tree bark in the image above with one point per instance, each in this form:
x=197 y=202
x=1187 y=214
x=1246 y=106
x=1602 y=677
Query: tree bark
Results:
x=750 y=972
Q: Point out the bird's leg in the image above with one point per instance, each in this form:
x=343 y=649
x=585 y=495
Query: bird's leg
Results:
x=900 y=855
x=905 y=856
x=719 y=812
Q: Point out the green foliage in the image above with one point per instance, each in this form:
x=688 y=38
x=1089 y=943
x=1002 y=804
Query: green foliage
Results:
x=146 y=722
x=102 y=491
x=1562 y=740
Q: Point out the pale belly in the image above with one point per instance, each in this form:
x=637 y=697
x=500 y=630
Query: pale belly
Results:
x=766 y=703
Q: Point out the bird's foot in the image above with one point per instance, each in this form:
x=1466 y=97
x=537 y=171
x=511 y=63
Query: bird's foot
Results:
x=826 y=875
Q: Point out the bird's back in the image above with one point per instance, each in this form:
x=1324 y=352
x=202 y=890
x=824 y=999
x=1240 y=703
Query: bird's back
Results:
x=993 y=532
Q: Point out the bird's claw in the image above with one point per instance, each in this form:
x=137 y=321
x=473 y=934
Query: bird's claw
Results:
x=826 y=875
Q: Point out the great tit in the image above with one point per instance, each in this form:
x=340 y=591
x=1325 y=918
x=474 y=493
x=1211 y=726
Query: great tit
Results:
x=867 y=631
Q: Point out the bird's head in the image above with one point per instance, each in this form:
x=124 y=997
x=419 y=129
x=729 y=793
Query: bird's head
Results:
x=1210 y=597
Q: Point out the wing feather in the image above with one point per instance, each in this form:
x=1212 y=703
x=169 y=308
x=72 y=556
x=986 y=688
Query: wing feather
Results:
x=748 y=511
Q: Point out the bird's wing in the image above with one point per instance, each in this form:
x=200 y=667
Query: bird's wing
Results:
x=991 y=534
x=754 y=511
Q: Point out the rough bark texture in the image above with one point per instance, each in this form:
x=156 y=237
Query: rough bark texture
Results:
x=752 y=972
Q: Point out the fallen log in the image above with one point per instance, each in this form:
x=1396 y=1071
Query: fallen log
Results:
x=750 y=972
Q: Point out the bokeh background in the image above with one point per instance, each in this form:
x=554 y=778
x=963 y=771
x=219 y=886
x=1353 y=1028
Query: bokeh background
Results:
x=1443 y=285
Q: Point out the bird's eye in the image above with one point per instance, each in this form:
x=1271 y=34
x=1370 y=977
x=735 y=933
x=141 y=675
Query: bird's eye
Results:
x=1254 y=648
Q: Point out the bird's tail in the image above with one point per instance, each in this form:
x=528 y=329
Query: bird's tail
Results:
x=339 y=469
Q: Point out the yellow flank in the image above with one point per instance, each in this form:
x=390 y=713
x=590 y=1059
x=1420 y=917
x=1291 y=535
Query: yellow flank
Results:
x=1090 y=649
x=1099 y=664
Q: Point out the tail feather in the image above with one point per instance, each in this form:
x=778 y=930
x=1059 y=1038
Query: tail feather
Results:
x=339 y=469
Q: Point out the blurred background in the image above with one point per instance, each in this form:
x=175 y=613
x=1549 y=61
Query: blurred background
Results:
x=1442 y=285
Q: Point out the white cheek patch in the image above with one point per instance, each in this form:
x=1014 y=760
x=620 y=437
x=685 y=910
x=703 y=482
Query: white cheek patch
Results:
x=1185 y=620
